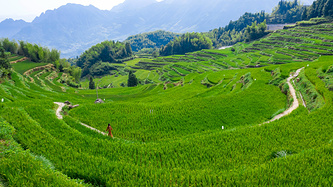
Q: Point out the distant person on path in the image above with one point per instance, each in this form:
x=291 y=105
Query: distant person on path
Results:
x=109 y=128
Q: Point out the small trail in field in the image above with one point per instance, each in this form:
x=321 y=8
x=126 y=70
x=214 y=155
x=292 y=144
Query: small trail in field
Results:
x=103 y=133
x=19 y=60
x=61 y=105
x=295 y=104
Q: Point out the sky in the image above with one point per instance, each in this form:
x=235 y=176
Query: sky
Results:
x=29 y=9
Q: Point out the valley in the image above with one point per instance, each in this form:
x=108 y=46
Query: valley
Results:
x=238 y=105
x=173 y=136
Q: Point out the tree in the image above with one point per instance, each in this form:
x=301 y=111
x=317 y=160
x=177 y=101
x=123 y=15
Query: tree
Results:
x=91 y=83
x=128 y=49
x=132 y=80
x=77 y=73
x=4 y=63
x=255 y=31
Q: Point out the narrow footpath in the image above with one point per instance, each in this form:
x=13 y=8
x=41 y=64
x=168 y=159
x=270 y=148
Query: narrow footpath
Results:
x=295 y=104
x=293 y=107
x=61 y=105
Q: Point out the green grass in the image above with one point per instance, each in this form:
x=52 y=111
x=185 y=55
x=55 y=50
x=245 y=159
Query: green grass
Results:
x=173 y=137
x=24 y=66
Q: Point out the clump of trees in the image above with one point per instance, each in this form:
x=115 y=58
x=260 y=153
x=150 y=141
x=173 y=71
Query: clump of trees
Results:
x=97 y=59
x=286 y=12
x=255 y=31
x=318 y=8
x=188 y=42
x=151 y=39
x=35 y=52
x=234 y=32
x=75 y=72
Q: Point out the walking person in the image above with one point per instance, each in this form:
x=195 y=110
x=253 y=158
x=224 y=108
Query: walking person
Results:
x=109 y=129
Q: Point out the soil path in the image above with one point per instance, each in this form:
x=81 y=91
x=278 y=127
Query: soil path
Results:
x=293 y=107
x=295 y=104
x=225 y=47
x=19 y=60
x=61 y=105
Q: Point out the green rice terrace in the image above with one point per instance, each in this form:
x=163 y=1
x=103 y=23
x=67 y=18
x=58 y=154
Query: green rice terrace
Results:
x=199 y=119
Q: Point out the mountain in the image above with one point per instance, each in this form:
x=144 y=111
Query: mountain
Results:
x=73 y=28
x=9 y=27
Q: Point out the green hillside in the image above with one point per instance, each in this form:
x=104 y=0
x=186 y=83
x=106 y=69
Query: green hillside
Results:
x=196 y=119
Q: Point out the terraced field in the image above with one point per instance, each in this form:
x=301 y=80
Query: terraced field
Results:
x=169 y=133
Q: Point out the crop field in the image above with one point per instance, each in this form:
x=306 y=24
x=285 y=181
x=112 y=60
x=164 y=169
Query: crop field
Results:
x=199 y=123
x=24 y=66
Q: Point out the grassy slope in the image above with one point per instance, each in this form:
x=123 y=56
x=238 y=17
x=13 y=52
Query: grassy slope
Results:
x=22 y=67
x=174 y=136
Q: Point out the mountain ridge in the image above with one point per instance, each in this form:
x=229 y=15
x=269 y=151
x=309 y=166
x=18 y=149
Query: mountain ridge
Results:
x=73 y=28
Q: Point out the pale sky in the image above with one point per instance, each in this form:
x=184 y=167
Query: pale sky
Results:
x=29 y=9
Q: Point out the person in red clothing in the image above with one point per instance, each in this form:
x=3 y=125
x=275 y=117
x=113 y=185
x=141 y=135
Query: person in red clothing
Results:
x=109 y=128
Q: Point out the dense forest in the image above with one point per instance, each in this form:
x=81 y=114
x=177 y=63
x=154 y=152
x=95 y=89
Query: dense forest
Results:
x=188 y=42
x=97 y=60
x=151 y=39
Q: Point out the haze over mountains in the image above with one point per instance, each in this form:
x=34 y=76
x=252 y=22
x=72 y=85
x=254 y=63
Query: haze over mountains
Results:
x=74 y=28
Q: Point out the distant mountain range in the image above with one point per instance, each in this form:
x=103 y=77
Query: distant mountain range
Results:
x=74 y=28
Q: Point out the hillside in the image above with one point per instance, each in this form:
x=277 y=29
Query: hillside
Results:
x=155 y=39
x=73 y=28
x=198 y=122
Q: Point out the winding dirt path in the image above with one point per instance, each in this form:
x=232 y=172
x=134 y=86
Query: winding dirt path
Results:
x=293 y=107
x=61 y=105
x=295 y=104
x=19 y=60
x=59 y=109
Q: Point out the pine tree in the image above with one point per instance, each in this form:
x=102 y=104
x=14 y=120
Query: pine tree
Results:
x=128 y=49
x=91 y=83
x=132 y=80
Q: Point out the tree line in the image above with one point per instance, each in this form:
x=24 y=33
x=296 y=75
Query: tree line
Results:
x=286 y=12
x=319 y=8
x=35 y=52
x=97 y=59
x=151 y=40
x=188 y=42
x=234 y=32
